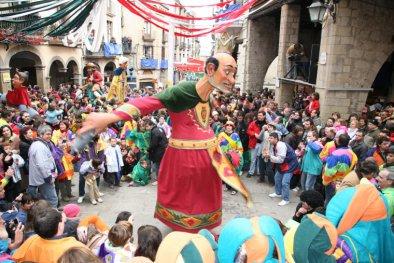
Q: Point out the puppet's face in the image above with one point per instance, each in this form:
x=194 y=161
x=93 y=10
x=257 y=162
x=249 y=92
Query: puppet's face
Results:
x=17 y=81
x=223 y=78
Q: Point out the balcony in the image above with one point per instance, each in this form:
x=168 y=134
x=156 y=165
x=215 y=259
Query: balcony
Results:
x=108 y=50
x=149 y=63
x=164 y=64
x=148 y=37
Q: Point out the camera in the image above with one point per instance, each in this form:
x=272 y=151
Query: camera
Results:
x=11 y=227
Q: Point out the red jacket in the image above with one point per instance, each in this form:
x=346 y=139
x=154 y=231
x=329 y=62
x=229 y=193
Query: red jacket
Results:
x=97 y=77
x=313 y=105
x=253 y=129
x=18 y=96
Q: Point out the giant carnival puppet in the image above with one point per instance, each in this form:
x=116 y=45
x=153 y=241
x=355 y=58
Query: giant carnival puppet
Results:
x=189 y=195
x=118 y=86
x=94 y=81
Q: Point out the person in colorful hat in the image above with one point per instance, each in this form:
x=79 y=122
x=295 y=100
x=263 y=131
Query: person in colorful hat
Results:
x=231 y=146
x=94 y=81
x=193 y=157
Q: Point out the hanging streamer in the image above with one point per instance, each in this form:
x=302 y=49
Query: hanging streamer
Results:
x=37 y=9
x=97 y=25
x=191 y=32
x=220 y=4
x=149 y=16
x=164 y=25
x=189 y=18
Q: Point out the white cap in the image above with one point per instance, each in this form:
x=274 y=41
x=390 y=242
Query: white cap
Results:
x=123 y=60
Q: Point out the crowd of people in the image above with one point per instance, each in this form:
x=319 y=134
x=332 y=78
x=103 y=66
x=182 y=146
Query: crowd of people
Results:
x=329 y=164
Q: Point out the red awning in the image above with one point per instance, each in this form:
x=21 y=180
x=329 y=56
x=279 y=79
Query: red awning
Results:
x=192 y=65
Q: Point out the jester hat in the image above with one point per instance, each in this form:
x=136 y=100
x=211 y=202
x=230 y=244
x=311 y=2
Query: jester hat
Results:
x=360 y=215
x=185 y=247
x=260 y=235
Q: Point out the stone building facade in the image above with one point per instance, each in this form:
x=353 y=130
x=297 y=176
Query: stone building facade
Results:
x=356 y=47
x=352 y=49
x=48 y=65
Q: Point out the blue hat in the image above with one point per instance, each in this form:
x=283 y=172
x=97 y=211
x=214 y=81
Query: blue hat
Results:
x=260 y=235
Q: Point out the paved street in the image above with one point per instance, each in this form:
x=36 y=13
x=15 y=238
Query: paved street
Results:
x=141 y=202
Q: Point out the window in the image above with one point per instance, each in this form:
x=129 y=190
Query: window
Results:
x=109 y=30
x=147 y=27
x=127 y=45
x=148 y=51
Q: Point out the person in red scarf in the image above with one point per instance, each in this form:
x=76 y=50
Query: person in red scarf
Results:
x=18 y=97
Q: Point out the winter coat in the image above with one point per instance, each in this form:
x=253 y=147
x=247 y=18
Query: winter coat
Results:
x=360 y=149
x=158 y=144
x=114 y=159
x=311 y=163
x=253 y=129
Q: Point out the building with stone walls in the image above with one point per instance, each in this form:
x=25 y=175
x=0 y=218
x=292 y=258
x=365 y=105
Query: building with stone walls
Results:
x=48 y=64
x=349 y=58
x=148 y=53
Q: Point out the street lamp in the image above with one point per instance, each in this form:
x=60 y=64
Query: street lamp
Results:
x=316 y=11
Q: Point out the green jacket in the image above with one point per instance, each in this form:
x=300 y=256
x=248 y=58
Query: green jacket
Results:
x=389 y=194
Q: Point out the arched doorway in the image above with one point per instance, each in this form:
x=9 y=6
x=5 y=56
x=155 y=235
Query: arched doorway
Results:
x=57 y=73
x=26 y=61
x=383 y=85
x=109 y=71
x=72 y=76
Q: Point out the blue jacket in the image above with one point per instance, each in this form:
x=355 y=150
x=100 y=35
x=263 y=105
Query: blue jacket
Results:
x=311 y=163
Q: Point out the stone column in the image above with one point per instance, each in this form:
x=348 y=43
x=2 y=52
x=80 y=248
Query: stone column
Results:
x=77 y=78
x=261 y=50
x=352 y=50
x=288 y=34
x=40 y=77
x=5 y=80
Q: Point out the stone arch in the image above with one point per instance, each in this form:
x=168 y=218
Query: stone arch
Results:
x=57 y=58
x=73 y=74
x=1 y=62
x=75 y=60
x=26 y=60
x=14 y=50
x=57 y=73
x=109 y=71
x=383 y=82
